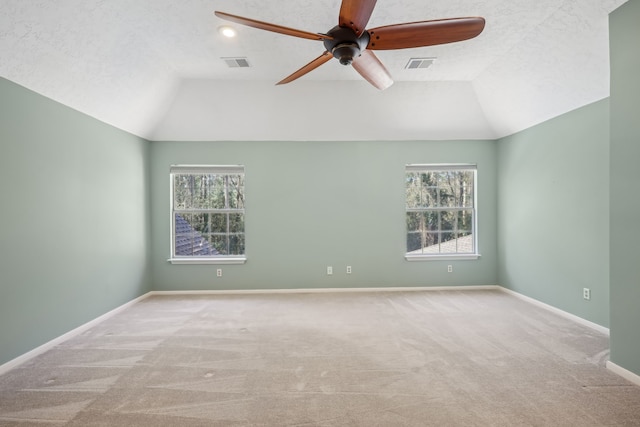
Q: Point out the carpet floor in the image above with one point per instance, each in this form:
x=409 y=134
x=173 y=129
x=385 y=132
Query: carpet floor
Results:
x=421 y=358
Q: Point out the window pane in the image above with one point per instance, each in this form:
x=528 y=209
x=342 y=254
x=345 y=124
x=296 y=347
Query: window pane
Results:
x=448 y=243
x=181 y=224
x=454 y=198
x=465 y=221
x=431 y=220
x=218 y=223
x=200 y=191
x=413 y=190
x=236 y=223
x=450 y=197
x=467 y=191
x=430 y=197
x=181 y=192
x=414 y=242
x=205 y=223
x=429 y=192
x=413 y=221
x=235 y=191
x=236 y=244
x=431 y=243
x=448 y=220
x=198 y=221
x=220 y=243
x=217 y=193
x=465 y=242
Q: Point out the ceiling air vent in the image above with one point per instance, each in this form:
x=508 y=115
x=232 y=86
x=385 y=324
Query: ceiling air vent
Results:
x=415 y=63
x=236 y=62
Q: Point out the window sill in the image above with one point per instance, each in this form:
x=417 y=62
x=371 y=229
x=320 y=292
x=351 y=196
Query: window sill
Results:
x=220 y=260
x=447 y=257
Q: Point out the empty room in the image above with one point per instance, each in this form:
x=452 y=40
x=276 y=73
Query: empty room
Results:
x=327 y=213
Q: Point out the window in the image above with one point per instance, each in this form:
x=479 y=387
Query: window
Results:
x=207 y=214
x=441 y=211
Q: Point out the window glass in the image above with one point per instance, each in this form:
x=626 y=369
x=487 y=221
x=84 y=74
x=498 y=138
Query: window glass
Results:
x=207 y=211
x=440 y=209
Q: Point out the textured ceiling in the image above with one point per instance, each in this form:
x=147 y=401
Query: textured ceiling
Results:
x=154 y=68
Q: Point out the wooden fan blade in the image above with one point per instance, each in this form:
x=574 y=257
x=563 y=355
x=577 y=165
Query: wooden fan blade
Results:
x=370 y=67
x=272 y=27
x=326 y=56
x=355 y=14
x=425 y=33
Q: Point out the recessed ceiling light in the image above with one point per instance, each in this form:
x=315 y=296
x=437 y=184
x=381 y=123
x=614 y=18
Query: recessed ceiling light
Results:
x=227 y=31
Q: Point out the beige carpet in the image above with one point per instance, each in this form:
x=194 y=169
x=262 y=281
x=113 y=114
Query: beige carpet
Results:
x=424 y=358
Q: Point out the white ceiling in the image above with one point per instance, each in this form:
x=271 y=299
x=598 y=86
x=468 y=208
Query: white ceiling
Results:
x=154 y=68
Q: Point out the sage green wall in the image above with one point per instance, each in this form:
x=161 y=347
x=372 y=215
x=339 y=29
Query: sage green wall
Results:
x=625 y=184
x=73 y=224
x=314 y=204
x=553 y=214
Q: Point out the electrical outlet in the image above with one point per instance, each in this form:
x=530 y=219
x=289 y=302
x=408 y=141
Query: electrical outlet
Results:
x=219 y=272
x=348 y=269
x=449 y=268
x=586 y=293
x=329 y=270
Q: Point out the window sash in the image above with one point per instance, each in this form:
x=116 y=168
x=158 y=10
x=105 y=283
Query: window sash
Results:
x=206 y=169
x=229 y=235
x=444 y=167
x=438 y=231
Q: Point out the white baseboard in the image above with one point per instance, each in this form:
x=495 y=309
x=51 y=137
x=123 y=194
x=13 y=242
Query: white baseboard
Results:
x=325 y=290
x=74 y=332
x=556 y=310
x=627 y=375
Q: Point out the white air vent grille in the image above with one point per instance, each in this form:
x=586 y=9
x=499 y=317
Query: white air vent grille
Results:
x=237 y=62
x=415 y=63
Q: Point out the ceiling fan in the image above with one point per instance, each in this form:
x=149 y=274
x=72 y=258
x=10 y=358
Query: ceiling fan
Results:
x=351 y=44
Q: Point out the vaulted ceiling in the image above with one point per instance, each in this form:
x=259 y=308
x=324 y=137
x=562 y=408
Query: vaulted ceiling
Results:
x=155 y=68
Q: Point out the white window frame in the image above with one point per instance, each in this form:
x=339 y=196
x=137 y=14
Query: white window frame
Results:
x=202 y=169
x=446 y=167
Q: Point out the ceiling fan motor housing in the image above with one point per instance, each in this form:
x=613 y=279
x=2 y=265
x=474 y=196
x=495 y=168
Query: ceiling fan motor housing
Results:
x=346 y=45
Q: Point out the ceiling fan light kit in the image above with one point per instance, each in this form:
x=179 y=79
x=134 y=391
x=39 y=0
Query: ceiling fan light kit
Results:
x=351 y=44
